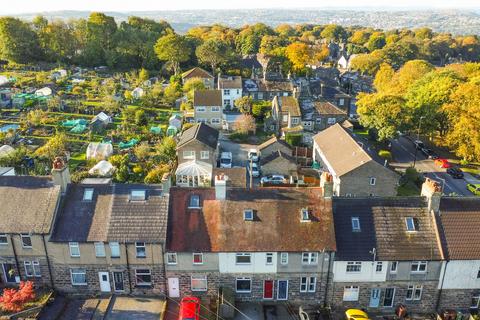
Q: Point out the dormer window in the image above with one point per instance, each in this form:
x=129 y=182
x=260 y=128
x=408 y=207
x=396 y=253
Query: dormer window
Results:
x=194 y=201
x=411 y=226
x=248 y=215
x=305 y=215
x=87 y=194
x=355 y=224
x=138 y=195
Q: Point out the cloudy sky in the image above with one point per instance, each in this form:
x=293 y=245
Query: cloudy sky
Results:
x=27 y=6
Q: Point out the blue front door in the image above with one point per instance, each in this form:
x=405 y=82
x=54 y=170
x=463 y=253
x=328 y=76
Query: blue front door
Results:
x=375 y=298
x=282 y=290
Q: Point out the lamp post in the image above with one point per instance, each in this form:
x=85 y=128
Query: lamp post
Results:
x=418 y=138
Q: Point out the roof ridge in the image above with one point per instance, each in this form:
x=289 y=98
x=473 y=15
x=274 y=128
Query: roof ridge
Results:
x=110 y=210
x=355 y=141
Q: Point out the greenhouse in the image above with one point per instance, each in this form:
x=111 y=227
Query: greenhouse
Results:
x=79 y=128
x=5 y=150
x=194 y=174
x=129 y=144
x=103 y=168
x=171 y=131
x=98 y=150
x=74 y=123
x=155 y=130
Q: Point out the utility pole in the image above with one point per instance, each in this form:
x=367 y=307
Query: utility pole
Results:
x=418 y=138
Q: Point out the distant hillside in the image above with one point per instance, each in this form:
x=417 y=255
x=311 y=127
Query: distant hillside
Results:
x=456 y=22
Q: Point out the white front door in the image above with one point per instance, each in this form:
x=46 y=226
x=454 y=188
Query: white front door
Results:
x=104 y=281
x=173 y=288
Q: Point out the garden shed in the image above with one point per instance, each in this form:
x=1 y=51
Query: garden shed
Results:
x=137 y=93
x=102 y=168
x=194 y=174
x=43 y=92
x=176 y=121
x=99 y=150
x=3 y=80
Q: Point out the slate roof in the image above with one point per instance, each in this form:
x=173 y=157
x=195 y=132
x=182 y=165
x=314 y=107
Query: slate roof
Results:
x=230 y=82
x=201 y=132
x=207 y=98
x=393 y=240
x=272 y=141
x=28 y=204
x=237 y=177
x=353 y=246
x=327 y=108
x=196 y=73
x=275 y=86
x=219 y=226
x=460 y=222
x=341 y=150
x=275 y=155
x=111 y=216
x=290 y=105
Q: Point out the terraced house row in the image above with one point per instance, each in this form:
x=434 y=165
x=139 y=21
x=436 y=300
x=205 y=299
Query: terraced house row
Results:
x=285 y=244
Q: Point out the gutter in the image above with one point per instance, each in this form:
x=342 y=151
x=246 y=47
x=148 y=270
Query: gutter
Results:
x=440 y=290
x=17 y=264
x=48 y=262
x=128 y=269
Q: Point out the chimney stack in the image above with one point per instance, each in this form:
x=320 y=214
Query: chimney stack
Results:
x=432 y=190
x=326 y=183
x=166 y=182
x=221 y=187
x=61 y=174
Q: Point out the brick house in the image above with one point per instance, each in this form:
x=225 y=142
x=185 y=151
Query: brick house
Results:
x=26 y=214
x=356 y=171
x=110 y=238
x=222 y=237
x=208 y=108
x=197 y=151
x=278 y=162
x=387 y=254
x=199 y=73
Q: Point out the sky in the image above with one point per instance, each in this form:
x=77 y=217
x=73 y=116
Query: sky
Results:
x=29 y=6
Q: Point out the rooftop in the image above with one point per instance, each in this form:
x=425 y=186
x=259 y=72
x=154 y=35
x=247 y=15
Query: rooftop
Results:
x=207 y=98
x=201 y=132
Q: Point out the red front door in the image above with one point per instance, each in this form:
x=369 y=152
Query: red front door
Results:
x=268 y=289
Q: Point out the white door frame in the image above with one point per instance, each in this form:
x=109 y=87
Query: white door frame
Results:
x=278 y=290
x=114 y=282
x=106 y=282
x=379 y=293
x=273 y=289
x=174 y=292
x=393 y=297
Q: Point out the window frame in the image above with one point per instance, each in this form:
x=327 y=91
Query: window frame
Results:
x=78 y=272
x=248 y=215
x=200 y=109
x=357 y=227
x=29 y=264
x=410 y=224
x=353 y=289
x=115 y=245
x=283 y=261
x=353 y=267
x=24 y=236
x=198 y=278
x=138 y=195
x=37 y=268
x=392 y=268
x=204 y=155
x=373 y=181
x=188 y=154
x=101 y=245
x=243 y=254
x=377 y=265
x=143 y=284
x=215 y=120
x=139 y=245
x=243 y=279
x=3 y=236
x=194 y=196
x=172 y=254
x=88 y=194
x=306 y=286
x=305 y=215
x=331 y=121
x=198 y=254
x=312 y=258
x=418 y=264
x=269 y=255
x=74 y=245
x=414 y=293
x=216 y=109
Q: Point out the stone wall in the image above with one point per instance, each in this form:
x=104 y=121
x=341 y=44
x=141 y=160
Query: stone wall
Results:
x=457 y=298
x=42 y=281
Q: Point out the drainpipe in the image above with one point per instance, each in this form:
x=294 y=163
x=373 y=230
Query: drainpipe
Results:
x=321 y=273
x=17 y=264
x=328 y=278
x=48 y=261
x=441 y=285
x=128 y=268
x=164 y=270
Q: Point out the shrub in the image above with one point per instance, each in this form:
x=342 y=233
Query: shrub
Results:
x=293 y=139
x=13 y=300
x=385 y=154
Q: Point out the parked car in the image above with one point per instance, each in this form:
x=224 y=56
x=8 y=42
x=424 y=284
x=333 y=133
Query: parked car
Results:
x=273 y=179
x=429 y=153
x=442 y=163
x=189 y=309
x=253 y=155
x=356 y=314
x=455 y=173
x=474 y=188
x=418 y=144
x=226 y=160
x=254 y=168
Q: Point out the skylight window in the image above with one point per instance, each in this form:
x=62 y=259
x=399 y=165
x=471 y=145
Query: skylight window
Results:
x=305 y=215
x=355 y=224
x=410 y=222
x=194 y=201
x=248 y=215
x=88 y=194
x=137 y=195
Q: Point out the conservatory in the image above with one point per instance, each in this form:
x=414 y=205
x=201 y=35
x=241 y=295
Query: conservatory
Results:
x=99 y=150
x=194 y=174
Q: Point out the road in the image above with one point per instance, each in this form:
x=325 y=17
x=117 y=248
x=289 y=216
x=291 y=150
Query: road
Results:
x=403 y=151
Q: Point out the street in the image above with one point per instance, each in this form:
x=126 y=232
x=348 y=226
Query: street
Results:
x=403 y=151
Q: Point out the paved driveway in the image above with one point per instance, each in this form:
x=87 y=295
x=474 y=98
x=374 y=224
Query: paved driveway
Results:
x=126 y=308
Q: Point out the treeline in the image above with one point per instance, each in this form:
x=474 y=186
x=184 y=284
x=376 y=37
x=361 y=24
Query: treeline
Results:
x=442 y=103
x=143 y=43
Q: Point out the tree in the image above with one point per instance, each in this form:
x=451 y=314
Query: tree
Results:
x=18 y=42
x=383 y=78
x=245 y=124
x=14 y=300
x=56 y=146
x=333 y=32
x=192 y=85
x=299 y=54
x=100 y=30
x=54 y=103
x=174 y=49
x=213 y=52
x=244 y=104
x=36 y=117
x=140 y=118
x=366 y=63
x=142 y=151
x=156 y=174
x=376 y=41
x=166 y=150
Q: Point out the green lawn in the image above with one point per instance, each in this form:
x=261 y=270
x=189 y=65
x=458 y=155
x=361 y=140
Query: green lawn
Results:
x=408 y=189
